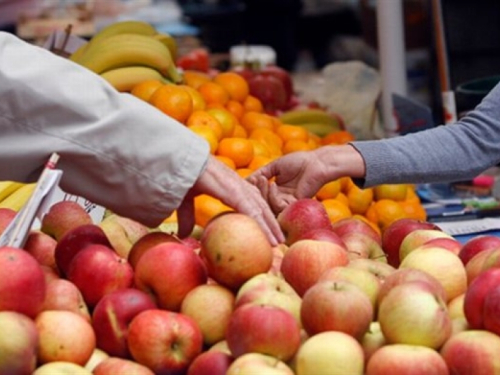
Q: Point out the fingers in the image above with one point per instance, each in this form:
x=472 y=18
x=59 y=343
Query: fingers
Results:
x=277 y=199
x=185 y=217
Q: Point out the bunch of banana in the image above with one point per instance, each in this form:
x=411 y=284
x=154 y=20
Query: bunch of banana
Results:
x=126 y=53
x=317 y=121
x=14 y=195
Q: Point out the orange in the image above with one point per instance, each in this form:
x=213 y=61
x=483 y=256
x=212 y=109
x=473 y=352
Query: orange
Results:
x=206 y=119
x=329 y=190
x=395 y=192
x=240 y=132
x=208 y=134
x=259 y=161
x=338 y=137
x=260 y=148
x=343 y=198
x=195 y=78
x=173 y=101
x=345 y=183
x=172 y=218
x=252 y=120
x=414 y=209
x=226 y=119
x=288 y=132
x=269 y=138
x=236 y=108
x=146 y=89
x=253 y=104
x=336 y=210
x=235 y=85
x=385 y=212
x=359 y=199
x=244 y=172
x=240 y=150
x=213 y=93
x=206 y=207
x=198 y=101
x=294 y=145
x=313 y=143
x=224 y=159
x=411 y=195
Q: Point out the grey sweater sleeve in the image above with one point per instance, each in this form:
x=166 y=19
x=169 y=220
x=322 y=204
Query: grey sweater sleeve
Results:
x=446 y=153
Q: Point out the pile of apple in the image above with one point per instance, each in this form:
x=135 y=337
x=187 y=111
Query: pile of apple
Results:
x=118 y=298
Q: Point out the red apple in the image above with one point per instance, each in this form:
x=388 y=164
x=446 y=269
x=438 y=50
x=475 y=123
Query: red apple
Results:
x=235 y=249
x=322 y=234
x=210 y=362
x=417 y=238
x=270 y=91
x=379 y=268
x=6 y=217
x=306 y=260
x=482 y=261
x=283 y=75
x=22 y=285
x=97 y=270
x=147 y=242
x=168 y=272
x=476 y=295
x=18 y=343
x=450 y=244
x=42 y=247
x=263 y=329
x=164 y=341
x=361 y=245
x=352 y=225
x=112 y=316
x=476 y=245
x=329 y=306
x=491 y=310
x=113 y=365
x=62 y=294
x=62 y=217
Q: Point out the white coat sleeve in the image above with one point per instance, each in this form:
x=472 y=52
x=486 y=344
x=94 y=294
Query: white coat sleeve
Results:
x=115 y=150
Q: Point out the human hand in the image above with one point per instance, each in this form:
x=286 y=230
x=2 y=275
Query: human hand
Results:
x=223 y=183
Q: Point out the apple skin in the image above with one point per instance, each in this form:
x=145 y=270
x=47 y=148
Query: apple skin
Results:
x=472 y=352
x=258 y=363
x=301 y=216
x=62 y=217
x=322 y=234
x=263 y=329
x=393 y=236
x=112 y=316
x=482 y=261
x=405 y=359
x=380 y=269
x=235 y=249
x=417 y=238
x=24 y=289
x=283 y=75
x=18 y=343
x=332 y=353
x=168 y=272
x=42 y=247
x=146 y=242
x=450 y=244
x=6 y=216
x=210 y=362
x=62 y=294
x=306 y=260
x=122 y=233
x=352 y=225
x=361 y=245
x=270 y=91
x=328 y=306
x=211 y=307
x=75 y=240
x=372 y=340
x=413 y=313
x=476 y=245
x=64 y=336
x=97 y=357
x=61 y=368
x=164 y=341
x=98 y=270
x=113 y=365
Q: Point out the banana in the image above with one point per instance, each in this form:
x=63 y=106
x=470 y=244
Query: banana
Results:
x=8 y=187
x=124 y=79
x=18 y=199
x=123 y=27
x=169 y=42
x=123 y=50
x=321 y=129
x=75 y=56
x=301 y=116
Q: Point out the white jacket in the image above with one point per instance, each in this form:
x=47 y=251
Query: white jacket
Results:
x=115 y=150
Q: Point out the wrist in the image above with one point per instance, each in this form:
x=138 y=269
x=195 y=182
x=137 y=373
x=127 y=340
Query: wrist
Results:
x=340 y=161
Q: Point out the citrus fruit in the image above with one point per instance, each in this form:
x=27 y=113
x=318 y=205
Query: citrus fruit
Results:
x=359 y=199
x=204 y=118
x=288 y=132
x=213 y=93
x=395 y=192
x=239 y=150
x=208 y=134
x=329 y=190
x=145 y=89
x=174 y=101
x=206 y=207
x=336 y=209
x=251 y=103
x=234 y=84
x=226 y=119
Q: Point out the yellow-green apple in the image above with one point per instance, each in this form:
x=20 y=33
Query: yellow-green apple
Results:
x=404 y=359
x=258 y=363
x=211 y=362
x=164 y=341
x=97 y=357
x=477 y=244
x=350 y=225
x=235 y=249
x=362 y=278
x=329 y=306
x=263 y=329
x=42 y=247
x=112 y=316
x=360 y=245
x=147 y=242
x=484 y=260
x=61 y=368
x=476 y=295
x=306 y=260
x=380 y=269
x=459 y=325
x=456 y=307
x=22 y=285
x=18 y=343
x=322 y=234
x=75 y=240
x=122 y=233
x=394 y=234
x=64 y=336
x=417 y=238
x=445 y=266
x=372 y=340
x=332 y=353
x=301 y=216
x=413 y=313
x=168 y=272
x=97 y=270
x=211 y=307
x=472 y=352
x=62 y=217
x=116 y=365
x=220 y=346
x=6 y=217
x=268 y=289
x=62 y=294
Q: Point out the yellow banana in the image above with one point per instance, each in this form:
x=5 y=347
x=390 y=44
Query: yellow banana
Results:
x=75 y=56
x=124 y=79
x=123 y=27
x=18 y=199
x=8 y=187
x=169 y=41
x=321 y=129
x=301 y=116
x=122 y=50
